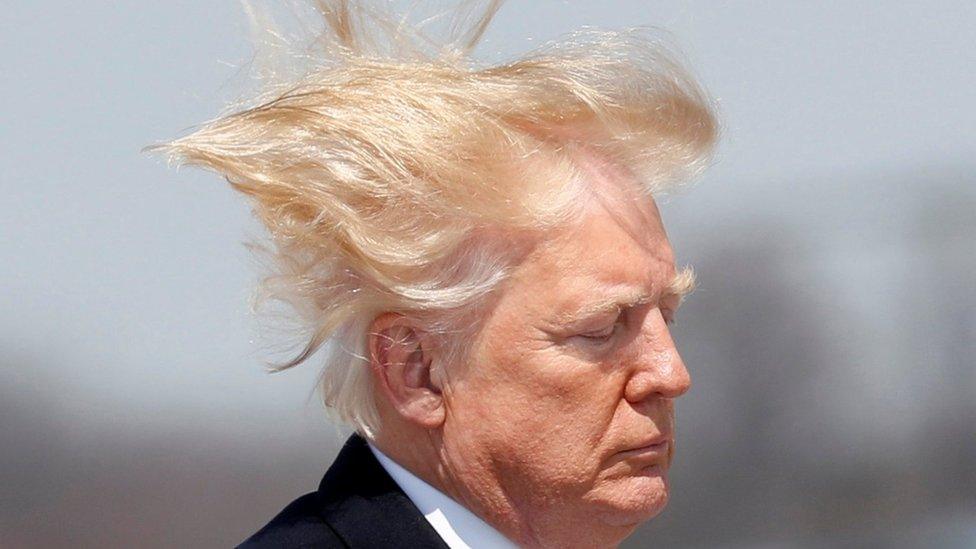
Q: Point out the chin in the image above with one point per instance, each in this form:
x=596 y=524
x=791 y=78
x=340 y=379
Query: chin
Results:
x=636 y=499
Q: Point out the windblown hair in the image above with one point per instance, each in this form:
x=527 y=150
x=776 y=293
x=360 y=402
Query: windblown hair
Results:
x=387 y=169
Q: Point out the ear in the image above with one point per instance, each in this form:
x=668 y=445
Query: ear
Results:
x=400 y=358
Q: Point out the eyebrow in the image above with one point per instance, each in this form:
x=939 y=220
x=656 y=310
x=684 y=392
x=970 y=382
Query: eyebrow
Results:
x=683 y=283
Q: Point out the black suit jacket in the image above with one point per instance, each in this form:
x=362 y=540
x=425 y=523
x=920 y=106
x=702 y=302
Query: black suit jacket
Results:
x=357 y=505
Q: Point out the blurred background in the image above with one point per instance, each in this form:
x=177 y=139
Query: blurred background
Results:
x=831 y=342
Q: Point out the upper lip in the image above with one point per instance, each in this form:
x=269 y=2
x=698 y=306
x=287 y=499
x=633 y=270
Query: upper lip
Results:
x=653 y=441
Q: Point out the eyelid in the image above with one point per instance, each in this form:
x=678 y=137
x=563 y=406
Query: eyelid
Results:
x=604 y=333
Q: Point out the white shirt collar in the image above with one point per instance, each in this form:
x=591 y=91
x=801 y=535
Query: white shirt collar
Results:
x=458 y=527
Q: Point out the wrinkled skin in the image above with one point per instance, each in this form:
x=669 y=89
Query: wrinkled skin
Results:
x=534 y=425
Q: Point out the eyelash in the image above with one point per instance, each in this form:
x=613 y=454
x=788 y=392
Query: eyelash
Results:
x=669 y=319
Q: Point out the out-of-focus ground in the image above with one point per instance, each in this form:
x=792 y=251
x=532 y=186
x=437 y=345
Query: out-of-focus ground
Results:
x=831 y=342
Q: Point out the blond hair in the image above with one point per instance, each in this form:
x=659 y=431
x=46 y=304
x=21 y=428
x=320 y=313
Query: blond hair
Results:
x=380 y=169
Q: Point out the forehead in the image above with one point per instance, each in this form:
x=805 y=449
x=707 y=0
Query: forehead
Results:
x=608 y=247
x=617 y=218
x=618 y=241
x=613 y=197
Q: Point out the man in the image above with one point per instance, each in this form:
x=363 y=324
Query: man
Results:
x=478 y=252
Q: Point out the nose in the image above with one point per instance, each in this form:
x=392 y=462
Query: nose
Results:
x=658 y=368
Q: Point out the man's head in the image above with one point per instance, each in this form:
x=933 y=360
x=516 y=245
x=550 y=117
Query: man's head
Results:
x=480 y=249
x=559 y=425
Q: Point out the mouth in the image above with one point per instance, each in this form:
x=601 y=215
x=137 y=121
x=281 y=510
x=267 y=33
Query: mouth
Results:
x=653 y=451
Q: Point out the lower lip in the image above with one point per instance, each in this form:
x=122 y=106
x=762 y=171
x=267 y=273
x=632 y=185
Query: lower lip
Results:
x=655 y=470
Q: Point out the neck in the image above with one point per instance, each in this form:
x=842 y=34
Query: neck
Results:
x=468 y=482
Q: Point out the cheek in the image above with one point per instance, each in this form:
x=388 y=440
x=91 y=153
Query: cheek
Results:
x=538 y=410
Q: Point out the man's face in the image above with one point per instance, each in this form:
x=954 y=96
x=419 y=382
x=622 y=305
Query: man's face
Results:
x=564 y=414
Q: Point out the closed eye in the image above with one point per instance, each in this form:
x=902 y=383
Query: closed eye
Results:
x=604 y=334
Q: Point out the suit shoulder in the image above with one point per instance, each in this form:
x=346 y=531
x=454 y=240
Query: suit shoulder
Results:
x=300 y=524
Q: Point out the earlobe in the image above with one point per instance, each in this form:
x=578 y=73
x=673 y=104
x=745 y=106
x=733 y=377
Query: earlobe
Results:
x=401 y=363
